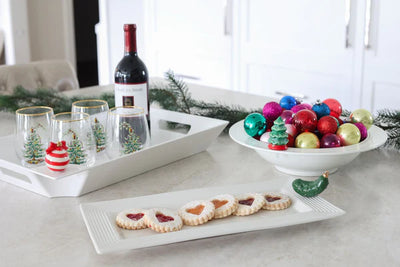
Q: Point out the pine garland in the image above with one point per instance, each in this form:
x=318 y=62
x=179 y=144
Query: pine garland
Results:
x=389 y=120
x=22 y=97
x=175 y=96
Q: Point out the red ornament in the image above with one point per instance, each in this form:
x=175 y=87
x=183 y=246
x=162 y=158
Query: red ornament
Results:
x=291 y=141
x=305 y=121
x=334 y=106
x=327 y=124
x=57 y=156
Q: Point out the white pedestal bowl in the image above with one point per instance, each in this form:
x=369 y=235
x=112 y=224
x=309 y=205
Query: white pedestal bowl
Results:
x=309 y=162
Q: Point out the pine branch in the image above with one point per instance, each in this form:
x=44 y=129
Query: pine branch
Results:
x=179 y=86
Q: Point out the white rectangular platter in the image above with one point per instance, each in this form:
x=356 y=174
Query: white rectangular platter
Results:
x=108 y=237
x=166 y=146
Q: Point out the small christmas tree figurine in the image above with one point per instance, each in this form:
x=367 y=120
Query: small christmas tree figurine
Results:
x=99 y=135
x=132 y=142
x=34 y=151
x=278 y=138
x=75 y=150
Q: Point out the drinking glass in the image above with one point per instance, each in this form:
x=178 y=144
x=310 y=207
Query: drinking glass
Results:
x=98 y=111
x=75 y=129
x=127 y=130
x=32 y=134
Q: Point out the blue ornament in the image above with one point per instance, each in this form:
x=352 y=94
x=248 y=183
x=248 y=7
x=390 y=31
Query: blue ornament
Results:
x=255 y=124
x=287 y=102
x=321 y=109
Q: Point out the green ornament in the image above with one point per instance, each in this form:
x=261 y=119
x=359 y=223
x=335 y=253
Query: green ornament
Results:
x=311 y=188
x=278 y=135
x=255 y=124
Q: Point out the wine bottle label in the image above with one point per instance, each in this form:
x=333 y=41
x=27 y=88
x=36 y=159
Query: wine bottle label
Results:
x=131 y=95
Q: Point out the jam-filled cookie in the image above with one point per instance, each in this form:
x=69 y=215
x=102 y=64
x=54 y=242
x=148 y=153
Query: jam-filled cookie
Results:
x=224 y=205
x=249 y=203
x=276 y=201
x=197 y=212
x=163 y=220
x=132 y=219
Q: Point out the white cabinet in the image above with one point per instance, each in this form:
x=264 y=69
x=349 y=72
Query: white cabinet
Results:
x=297 y=48
x=308 y=48
x=191 y=38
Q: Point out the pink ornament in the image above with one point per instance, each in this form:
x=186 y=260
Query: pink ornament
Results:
x=287 y=116
x=272 y=111
x=299 y=107
x=363 y=130
x=291 y=129
x=330 y=140
x=264 y=137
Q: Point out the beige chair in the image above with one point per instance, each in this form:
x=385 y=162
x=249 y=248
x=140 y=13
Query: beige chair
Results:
x=54 y=74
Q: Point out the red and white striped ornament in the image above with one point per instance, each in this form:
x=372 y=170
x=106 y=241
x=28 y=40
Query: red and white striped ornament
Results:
x=57 y=156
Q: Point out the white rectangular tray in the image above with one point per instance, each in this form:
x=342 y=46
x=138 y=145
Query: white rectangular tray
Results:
x=108 y=237
x=166 y=146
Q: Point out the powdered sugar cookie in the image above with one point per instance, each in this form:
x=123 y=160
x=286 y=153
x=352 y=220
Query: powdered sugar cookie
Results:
x=163 y=220
x=276 y=201
x=131 y=219
x=249 y=203
x=197 y=212
x=224 y=205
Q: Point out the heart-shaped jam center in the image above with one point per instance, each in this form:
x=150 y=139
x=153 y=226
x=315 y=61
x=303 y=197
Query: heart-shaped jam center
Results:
x=271 y=198
x=196 y=210
x=135 y=217
x=163 y=218
x=218 y=203
x=247 y=202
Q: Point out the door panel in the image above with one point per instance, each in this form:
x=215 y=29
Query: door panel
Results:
x=381 y=87
x=298 y=47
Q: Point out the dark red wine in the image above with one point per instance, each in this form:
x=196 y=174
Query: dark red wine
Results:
x=131 y=76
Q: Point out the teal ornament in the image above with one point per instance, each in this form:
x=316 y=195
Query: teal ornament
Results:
x=255 y=124
x=321 y=109
x=287 y=102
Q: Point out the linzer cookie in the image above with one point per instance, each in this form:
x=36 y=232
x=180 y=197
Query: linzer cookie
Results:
x=249 y=203
x=163 y=220
x=224 y=205
x=276 y=201
x=197 y=212
x=132 y=219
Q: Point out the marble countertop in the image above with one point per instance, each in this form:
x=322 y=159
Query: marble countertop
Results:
x=38 y=231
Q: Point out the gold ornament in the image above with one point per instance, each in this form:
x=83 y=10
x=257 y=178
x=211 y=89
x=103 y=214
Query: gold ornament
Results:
x=363 y=116
x=349 y=134
x=306 y=140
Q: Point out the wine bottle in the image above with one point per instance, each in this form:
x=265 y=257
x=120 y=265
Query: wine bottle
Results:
x=131 y=76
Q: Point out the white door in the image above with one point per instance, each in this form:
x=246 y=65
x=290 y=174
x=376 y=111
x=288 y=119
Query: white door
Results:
x=192 y=38
x=381 y=86
x=303 y=48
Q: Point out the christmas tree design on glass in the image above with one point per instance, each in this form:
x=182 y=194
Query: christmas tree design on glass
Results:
x=34 y=152
x=99 y=135
x=75 y=150
x=132 y=142
x=278 y=138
